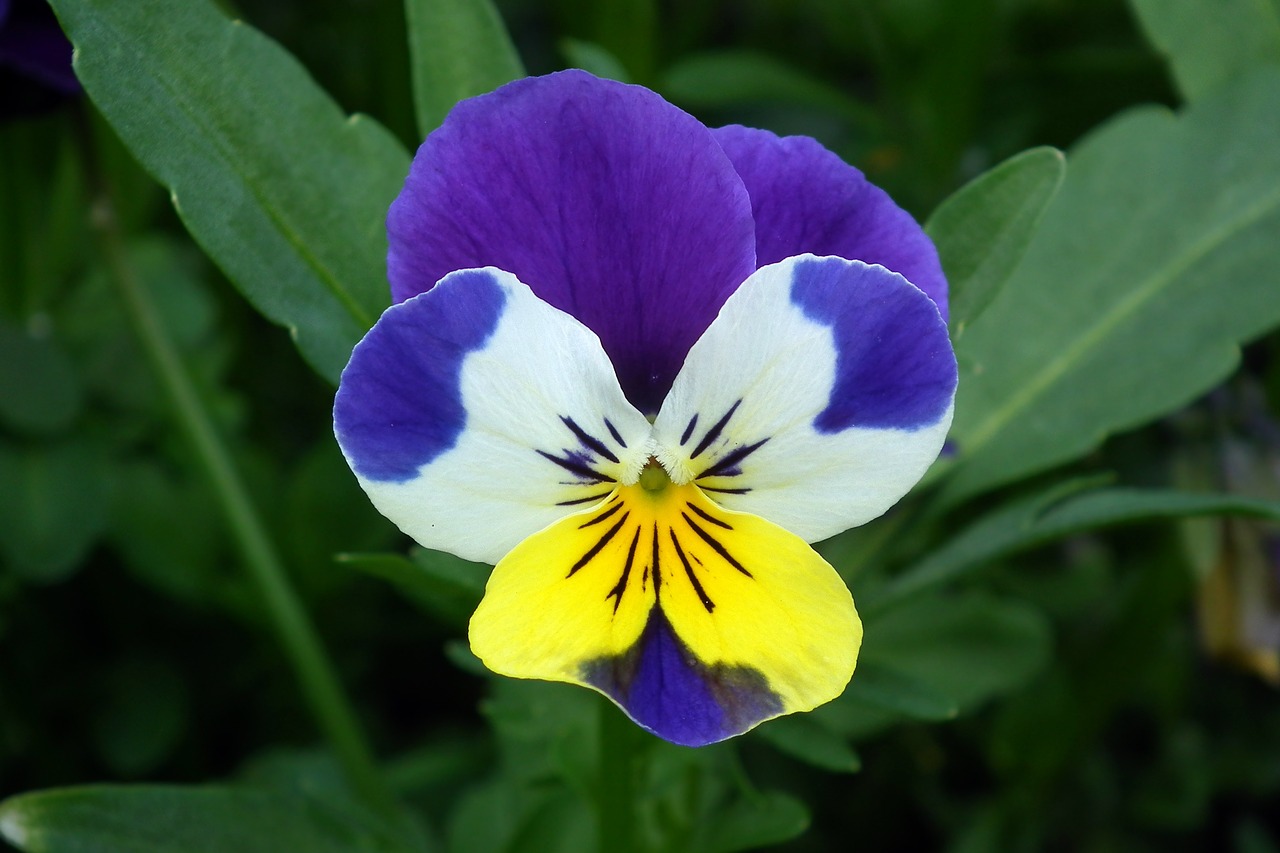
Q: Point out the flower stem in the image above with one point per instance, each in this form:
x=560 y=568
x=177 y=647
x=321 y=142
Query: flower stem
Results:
x=302 y=646
x=617 y=780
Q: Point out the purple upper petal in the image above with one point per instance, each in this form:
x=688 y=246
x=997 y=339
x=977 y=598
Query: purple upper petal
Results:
x=805 y=199
x=609 y=202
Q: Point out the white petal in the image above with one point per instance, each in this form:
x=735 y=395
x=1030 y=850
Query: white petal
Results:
x=816 y=399
x=476 y=414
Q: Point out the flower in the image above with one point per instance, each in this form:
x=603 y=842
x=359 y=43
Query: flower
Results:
x=639 y=364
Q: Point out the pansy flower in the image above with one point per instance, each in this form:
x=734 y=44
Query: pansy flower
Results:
x=639 y=365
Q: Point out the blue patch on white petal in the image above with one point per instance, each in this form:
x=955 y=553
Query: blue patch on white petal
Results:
x=399 y=405
x=894 y=364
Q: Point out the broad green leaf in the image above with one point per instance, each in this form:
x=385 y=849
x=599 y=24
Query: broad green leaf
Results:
x=983 y=229
x=969 y=648
x=806 y=738
x=1048 y=516
x=769 y=817
x=1156 y=261
x=1207 y=42
x=446 y=586
x=893 y=690
x=459 y=49
x=172 y=819
x=733 y=77
x=284 y=192
x=39 y=388
x=52 y=507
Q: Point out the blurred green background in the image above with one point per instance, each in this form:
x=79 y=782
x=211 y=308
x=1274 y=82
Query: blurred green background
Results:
x=1072 y=702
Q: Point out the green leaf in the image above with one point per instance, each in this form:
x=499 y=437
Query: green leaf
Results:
x=591 y=57
x=984 y=228
x=1207 y=42
x=282 y=190
x=39 y=389
x=446 y=586
x=1155 y=262
x=171 y=819
x=143 y=715
x=52 y=507
x=968 y=648
x=806 y=738
x=459 y=49
x=734 y=77
x=894 y=690
x=770 y=817
x=1059 y=511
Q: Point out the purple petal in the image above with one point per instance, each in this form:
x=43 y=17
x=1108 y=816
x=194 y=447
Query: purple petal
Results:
x=805 y=199
x=610 y=203
x=895 y=368
x=399 y=404
x=664 y=688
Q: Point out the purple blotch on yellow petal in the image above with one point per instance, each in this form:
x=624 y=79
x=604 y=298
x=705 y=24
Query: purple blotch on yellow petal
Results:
x=399 y=404
x=895 y=368
x=664 y=688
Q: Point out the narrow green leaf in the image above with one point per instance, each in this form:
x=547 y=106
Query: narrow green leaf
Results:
x=983 y=229
x=282 y=190
x=171 y=819
x=1207 y=42
x=1051 y=515
x=446 y=586
x=1154 y=263
x=806 y=738
x=756 y=821
x=967 y=647
x=459 y=49
x=894 y=690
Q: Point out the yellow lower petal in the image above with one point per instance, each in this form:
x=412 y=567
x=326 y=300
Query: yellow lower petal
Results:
x=699 y=622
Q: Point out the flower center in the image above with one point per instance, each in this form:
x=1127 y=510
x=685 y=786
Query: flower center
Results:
x=653 y=477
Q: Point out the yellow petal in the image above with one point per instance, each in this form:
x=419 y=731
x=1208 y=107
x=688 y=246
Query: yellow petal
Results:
x=699 y=622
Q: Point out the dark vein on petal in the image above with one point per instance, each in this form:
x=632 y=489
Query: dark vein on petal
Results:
x=588 y=440
x=586 y=472
x=724 y=491
x=621 y=586
x=657 y=574
x=613 y=431
x=715 y=545
x=714 y=432
x=587 y=499
x=601 y=517
x=731 y=459
x=693 y=579
x=688 y=431
x=709 y=517
x=596 y=548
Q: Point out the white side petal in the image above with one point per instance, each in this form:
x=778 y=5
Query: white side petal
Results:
x=476 y=414
x=816 y=399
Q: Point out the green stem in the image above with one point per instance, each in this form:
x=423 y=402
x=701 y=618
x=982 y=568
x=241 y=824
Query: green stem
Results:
x=617 y=780
x=302 y=646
